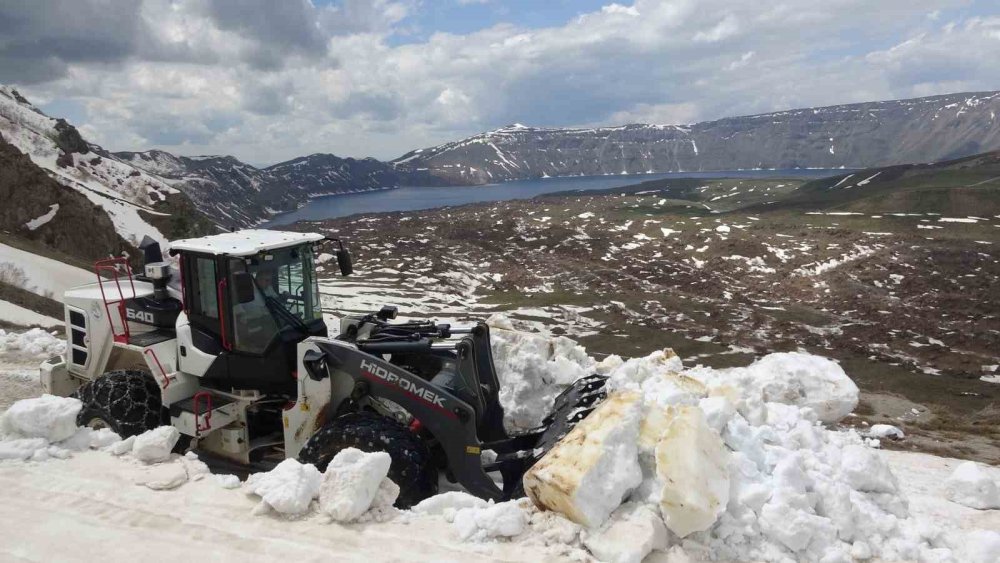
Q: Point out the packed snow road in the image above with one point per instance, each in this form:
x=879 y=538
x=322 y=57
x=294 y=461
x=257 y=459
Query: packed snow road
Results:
x=89 y=507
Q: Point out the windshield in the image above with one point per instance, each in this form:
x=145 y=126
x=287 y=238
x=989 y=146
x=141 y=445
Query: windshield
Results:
x=286 y=295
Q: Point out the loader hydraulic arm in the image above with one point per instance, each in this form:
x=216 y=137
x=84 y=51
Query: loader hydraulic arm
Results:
x=449 y=419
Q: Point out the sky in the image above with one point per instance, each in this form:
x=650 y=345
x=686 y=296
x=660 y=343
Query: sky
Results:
x=270 y=80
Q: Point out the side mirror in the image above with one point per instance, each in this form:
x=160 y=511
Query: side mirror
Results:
x=315 y=364
x=244 y=286
x=344 y=262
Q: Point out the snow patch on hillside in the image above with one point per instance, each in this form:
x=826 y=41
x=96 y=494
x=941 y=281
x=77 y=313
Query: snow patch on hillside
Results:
x=43 y=219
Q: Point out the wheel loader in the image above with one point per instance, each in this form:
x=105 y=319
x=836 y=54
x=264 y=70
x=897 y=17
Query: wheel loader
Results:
x=224 y=339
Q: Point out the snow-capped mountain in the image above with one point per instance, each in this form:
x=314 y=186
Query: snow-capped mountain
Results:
x=231 y=192
x=235 y=193
x=854 y=136
x=137 y=203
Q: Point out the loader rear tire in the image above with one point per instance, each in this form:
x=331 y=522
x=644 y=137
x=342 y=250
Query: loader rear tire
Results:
x=411 y=467
x=126 y=401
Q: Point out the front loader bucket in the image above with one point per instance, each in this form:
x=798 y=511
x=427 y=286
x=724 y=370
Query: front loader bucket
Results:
x=518 y=453
x=569 y=408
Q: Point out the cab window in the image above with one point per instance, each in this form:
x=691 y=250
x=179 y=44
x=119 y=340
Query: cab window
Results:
x=206 y=298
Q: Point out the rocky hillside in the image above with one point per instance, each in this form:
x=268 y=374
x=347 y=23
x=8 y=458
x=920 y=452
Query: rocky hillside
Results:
x=853 y=136
x=46 y=212
x=122 y=200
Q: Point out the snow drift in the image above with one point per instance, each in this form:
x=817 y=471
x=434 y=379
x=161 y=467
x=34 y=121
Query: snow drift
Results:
x=33 y=344
x=737 y=464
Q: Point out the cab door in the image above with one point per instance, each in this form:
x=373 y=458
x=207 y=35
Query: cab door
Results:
x=202 y=341
x=261 y=356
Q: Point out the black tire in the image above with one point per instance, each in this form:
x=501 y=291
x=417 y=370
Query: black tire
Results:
x=126 y=401
x=411 y=467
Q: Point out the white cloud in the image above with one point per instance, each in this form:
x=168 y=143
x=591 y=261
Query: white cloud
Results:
x=201 y=78
x=619 y=9
x=725 y=29
x=743 y=61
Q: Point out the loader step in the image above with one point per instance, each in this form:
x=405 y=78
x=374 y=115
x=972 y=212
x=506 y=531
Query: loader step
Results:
x=187 y=405
x=147 y=339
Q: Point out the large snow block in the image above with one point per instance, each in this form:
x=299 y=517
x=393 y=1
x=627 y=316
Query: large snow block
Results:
x=692 y=462
x=806 y=380
x=970 y=485
x=590 y=471
x=288 y=488
x=351 y=482
x=154 y=446
x=632 y=532
x=48 y=417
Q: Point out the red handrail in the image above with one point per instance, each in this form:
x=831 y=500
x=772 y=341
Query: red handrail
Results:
x=208 y=413
x=222 y=316
x=111 y=264
x=166 y=379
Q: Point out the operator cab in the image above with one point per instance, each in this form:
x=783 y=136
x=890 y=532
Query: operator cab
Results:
x=249 y=298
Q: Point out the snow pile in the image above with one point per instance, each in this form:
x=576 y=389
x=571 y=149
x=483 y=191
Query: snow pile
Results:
x=45 y=427
x=971 y=485
x=353 y=481
x=783 y=486
x=533 y=369
x=289 y=488
x=48 y=417
x=474 y=519
x=736 y=464
x=155 y=446
x=33 y=344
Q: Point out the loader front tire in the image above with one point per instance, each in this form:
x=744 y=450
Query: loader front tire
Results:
x=125 y=401
x=411 y=467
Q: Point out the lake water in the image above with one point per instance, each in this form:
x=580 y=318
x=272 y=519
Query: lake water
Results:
x=415 y=198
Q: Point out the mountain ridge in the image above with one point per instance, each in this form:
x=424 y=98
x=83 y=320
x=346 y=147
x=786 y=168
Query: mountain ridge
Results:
x=864 y=135
x=848 y=135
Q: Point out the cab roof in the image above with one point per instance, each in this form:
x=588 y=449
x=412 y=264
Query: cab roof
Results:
x=243 y=243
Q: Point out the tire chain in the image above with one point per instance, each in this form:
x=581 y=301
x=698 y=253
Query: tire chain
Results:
x=129 y=400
